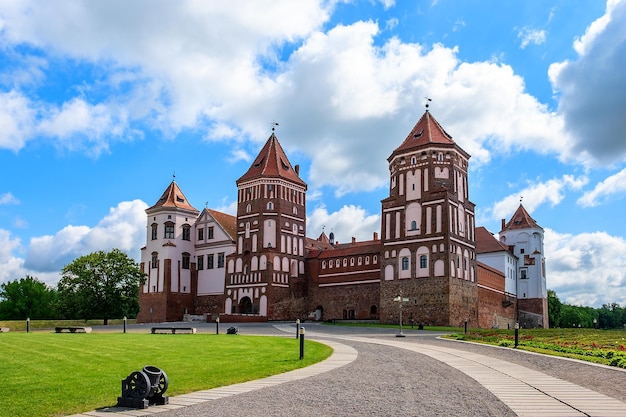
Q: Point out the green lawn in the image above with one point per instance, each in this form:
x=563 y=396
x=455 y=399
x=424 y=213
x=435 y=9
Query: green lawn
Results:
x=50 y=374
x=607 y=347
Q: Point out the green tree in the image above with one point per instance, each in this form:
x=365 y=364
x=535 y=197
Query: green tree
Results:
x=554 y=309
x=26 y=298
x=100 y=285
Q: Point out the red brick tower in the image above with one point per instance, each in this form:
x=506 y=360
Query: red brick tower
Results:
x=265 y=276
x=428 y=252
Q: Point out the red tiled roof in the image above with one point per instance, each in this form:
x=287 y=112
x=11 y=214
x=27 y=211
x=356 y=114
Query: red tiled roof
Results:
x=228 y=222
x=521 y=220
x=427 y=131
x=173 y=197
x=271 y=162
x=487 y=243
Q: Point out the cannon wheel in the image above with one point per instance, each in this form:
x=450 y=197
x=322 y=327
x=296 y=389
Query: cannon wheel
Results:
x=138 y=384
x=163 y=383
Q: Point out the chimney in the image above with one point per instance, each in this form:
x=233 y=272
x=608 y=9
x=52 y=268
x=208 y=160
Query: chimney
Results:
x=297 y=169
x=375 y=235
x=503 y=224
x=353 y=239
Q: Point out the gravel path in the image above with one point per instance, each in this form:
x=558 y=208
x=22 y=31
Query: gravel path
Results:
x=382 y=381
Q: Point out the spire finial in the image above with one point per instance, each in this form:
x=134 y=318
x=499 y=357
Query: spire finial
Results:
x=274 y=124
x=520 y=199
x=427 y=100
x=174 y=177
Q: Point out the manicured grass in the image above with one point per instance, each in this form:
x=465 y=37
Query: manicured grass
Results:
x=607 y=347
x=20 y=325
x=50 y=374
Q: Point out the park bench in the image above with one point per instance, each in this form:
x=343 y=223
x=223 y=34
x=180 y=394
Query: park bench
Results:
x=4 y=329
x=73 y=329
x=173 y=330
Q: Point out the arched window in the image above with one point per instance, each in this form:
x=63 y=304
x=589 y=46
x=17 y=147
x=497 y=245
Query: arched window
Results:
x=155 y=260
x=405 y=263
x=248 y=208
x=186 y=232
x=323 y=264
x=169 y=230
x=270 y=206
x=423 y=261
x=186 y=257
x=154 y=227
x=413 y=225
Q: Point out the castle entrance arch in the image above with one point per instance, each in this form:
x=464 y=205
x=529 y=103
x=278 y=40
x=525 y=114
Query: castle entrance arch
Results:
x=245 y=305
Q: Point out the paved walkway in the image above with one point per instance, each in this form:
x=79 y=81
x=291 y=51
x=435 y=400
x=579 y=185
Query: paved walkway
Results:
x=525 y=391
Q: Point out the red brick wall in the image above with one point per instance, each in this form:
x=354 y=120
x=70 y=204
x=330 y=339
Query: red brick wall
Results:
x=533 y=312
x=495 y=308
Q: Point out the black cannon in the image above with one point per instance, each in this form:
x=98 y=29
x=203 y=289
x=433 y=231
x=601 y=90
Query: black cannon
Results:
x=145 y=387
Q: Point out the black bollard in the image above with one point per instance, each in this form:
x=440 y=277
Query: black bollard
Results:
x=124 y=324
x=516 y=334
x=301 y=343
x=217 y=325
x=27 y=325
x=297 y=328
x=465 y=326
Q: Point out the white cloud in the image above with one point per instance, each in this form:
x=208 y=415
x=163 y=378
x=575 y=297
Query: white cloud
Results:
x=123 y=228
x=615 y=184
x=531 y=36
x=16 y=118
x=535 y=194
x=593 y=92
x=586 y=269
x=8 y=198
x=348 y=222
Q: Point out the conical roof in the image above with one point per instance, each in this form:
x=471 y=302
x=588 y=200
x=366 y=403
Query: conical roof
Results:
x=271 y=162
x=173 y=197
x=426 y=132
x=521 y=220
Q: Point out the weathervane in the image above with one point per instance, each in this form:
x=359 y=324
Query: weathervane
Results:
x=427 y=100
x=274 y=124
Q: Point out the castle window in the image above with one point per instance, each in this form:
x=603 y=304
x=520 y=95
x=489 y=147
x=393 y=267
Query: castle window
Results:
x=209 y=261
x=375 y=259
x=154 y=231
x=413 y=160
x=360 y=261
x=323 y=264
x=211 y=231
x=220 y=260
x=155 y=260
x=337 y=263
x=413 y=225
x=367 y=260
x=523 y=273
x=351 y=261
x=185 y=260
x=200 y=262
x=186 y=232
x=295 y=210
x=440 y=157
x=169 y=230
x=423 y=261
x=405 y=263
x=248 y=208
x=201 y=234
x=270 y=206
x=345 y=262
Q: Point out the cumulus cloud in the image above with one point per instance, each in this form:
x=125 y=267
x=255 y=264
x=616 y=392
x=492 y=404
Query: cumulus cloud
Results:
x=17 y=116
x=611 y=186
x=123 y=228
x=217 y=69
x=586 y=269
x=536 y=194
x=348 y=222
x=591 y=89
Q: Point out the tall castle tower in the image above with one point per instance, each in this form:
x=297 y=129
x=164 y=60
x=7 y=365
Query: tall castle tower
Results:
x=167 y=258
x=265 y=275
x=428 y=251
x=525 y=238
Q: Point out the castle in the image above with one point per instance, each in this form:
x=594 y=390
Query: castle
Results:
x=429 y=262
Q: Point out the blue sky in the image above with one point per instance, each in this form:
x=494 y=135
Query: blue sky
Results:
x=101 y=103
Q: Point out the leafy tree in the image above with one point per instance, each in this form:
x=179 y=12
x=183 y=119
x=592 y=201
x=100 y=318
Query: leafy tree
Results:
x=100 y=285
x=26 y=298
x=554 y=309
